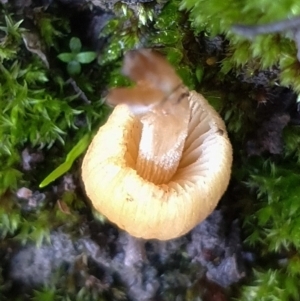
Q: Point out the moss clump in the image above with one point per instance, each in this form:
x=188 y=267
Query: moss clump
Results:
x=270 y=213
x=166 y=31
x=40 y=112
x=275 y=223
x=263 y=51
x=27 y=103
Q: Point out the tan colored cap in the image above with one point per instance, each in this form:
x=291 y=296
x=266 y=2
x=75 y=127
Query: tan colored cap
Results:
x=174 y=204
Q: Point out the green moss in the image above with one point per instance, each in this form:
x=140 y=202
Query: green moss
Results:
x=129 y=30
x=37 y=99
x=125 y=31
x=38 y=110
x=275 y=220
x=269 y=50
x=270 y=211
x=269 y=200
x=291 y=137
x=26 y=104
x=272 y=285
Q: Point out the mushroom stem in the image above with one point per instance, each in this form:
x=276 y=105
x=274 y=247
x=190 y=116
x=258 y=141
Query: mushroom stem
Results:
x=165 y=129
x=160 y=101
x=134 y=250
x=136 y=273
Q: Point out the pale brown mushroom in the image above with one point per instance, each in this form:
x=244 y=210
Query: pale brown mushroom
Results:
x=158 y=172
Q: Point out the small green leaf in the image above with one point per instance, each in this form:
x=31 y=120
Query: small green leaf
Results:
x=66 y=57
x=215 y=101
x=174 y=55
x=110 y=28
x=75 y=45
x=186 y=75
x=113 y=52
x=86 y=57
x=228 y=114
x=199 y=73
x=75 y=152
x=9 y=178
x=78 y=149
x=74 y=68
x=47 y=294
x=167 y=37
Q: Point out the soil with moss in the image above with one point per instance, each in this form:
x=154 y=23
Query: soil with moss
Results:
x=58 y=59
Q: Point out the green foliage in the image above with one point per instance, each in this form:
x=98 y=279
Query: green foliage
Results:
x=47 y=294
x=12 y=30
x=38 y=110
x=75 y=58
x=275 y=222
x=47 y=27
x=33 y=98
x=56 y=293
x=125 y=32
x=263 y=51
x=35 y=225
x=9 y=221
x=271 y=222
x=134 y=29
x=170 y=30
x=234 y=118
x=273 y=286
x=32 y=230
x=9 y=44
x=26 y=106
x=74 y=153
x=291 y=136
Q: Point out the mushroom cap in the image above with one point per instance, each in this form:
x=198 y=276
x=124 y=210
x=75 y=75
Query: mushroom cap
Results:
x=160 y=211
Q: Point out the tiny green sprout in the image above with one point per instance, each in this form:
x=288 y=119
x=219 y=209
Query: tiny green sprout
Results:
x=12 y=29
x=75 y=152
x=199 y=73
x=75 y=58
x=45 y=294
x=144 y=14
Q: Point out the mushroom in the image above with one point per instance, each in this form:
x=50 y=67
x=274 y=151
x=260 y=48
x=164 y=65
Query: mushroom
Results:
x=162 y=161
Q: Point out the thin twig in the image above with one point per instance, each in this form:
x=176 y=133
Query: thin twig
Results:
x=251 y=31
x=76 y=88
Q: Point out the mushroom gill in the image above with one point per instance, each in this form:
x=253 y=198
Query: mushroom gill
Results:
x=158 y=172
